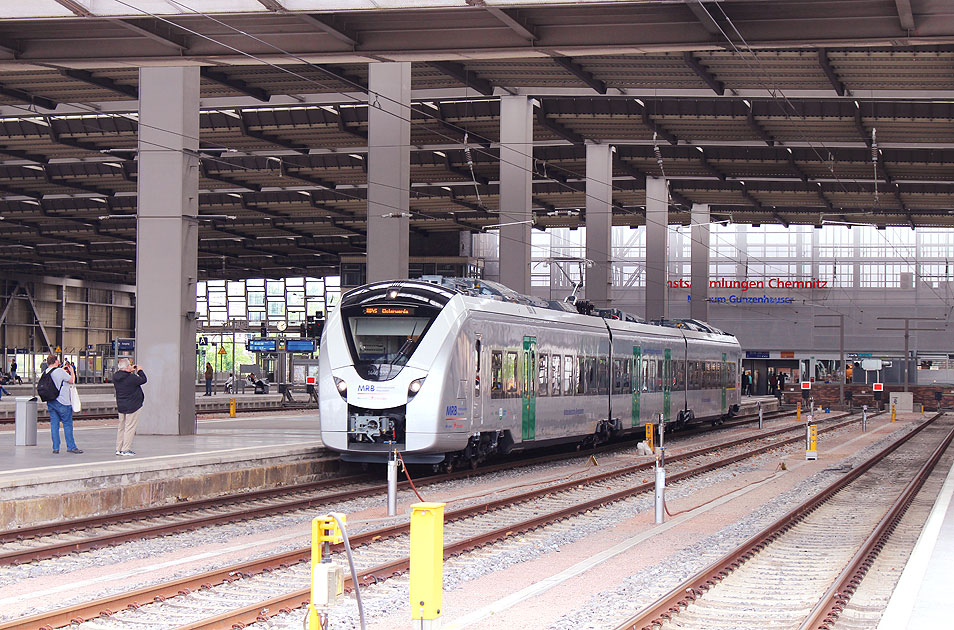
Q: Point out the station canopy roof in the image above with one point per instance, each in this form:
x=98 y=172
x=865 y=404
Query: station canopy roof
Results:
x=815 y=112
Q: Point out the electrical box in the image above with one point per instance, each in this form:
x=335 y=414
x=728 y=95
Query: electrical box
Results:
x=327 y=585
x=903 y=401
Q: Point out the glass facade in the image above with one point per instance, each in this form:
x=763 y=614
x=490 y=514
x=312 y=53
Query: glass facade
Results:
x=858 y=257
x=258 y=300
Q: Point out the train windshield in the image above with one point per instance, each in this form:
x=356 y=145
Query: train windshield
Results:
x=382 y=345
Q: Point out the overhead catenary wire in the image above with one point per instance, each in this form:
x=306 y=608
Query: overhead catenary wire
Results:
x=313 y=81
x=775 y=91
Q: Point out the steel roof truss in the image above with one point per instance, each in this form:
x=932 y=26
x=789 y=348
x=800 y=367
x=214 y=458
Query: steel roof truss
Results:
x=104 y=82
x=704 y=73
x=236 y=84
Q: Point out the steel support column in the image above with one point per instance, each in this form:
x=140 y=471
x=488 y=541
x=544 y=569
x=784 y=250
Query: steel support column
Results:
x=599 y=223
x=657 y=251
x=516 y=173
x=167 y=246
x=699 y=254
x=389 y=169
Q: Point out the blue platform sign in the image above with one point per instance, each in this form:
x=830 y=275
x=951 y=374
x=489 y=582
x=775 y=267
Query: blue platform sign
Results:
x=260 y=345
x=300 y=345
x=756 y=355
x=125 y=345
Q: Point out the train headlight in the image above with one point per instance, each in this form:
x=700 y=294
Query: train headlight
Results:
x=342 y=387
x=414 y=387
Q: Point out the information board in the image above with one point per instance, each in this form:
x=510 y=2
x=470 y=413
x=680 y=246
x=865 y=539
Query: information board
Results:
x=300 y=345
x=260 y=345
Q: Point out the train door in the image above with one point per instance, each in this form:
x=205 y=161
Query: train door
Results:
x=637 y=382
x=529 y=418
x=667 y=384
x=725 y=375
x=478 y=411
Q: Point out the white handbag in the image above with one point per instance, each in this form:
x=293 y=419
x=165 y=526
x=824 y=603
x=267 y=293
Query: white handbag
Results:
x=75 y=399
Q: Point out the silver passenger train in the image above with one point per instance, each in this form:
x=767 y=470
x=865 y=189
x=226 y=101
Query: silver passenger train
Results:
x=452 y=371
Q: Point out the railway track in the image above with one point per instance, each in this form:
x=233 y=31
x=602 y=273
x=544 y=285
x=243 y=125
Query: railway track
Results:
x=30 y=544
x=200 y=412
x=801 y=571
x=233 y=595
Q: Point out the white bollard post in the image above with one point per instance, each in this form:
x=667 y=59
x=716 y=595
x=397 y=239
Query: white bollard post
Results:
x=392 y=483
x=864 y=418
x=760 y=414
x=661 y=487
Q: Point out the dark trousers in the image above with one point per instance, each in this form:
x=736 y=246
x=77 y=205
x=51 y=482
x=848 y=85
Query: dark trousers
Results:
x=208 y=387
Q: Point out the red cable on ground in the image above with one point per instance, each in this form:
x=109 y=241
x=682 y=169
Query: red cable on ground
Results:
x=409 y=480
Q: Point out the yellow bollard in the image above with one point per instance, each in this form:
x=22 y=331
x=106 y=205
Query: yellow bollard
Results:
x=427 y=564
x=326 y=586
x=650 y=436
x=798 y=411
x=812 y=452
x=892 y=413
x=231 y=407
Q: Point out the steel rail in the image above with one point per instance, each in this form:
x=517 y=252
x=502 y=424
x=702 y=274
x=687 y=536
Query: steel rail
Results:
x=664 y=608
x=95 y=542
x=200 y=412
x=264 y=610
x=145 y=595
x=824 y=614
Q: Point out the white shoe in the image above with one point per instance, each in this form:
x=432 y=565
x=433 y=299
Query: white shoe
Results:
x=119 y=452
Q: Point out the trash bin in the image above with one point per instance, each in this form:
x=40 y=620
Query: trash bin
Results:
x=26 y=421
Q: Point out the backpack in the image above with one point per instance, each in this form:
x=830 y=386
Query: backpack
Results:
x=45 y=388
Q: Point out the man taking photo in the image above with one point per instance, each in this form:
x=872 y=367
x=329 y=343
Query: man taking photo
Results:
x=128 y=381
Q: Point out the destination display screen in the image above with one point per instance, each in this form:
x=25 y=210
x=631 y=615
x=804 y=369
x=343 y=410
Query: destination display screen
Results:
x=388 y=310
x=261 y=345
x=300 y=345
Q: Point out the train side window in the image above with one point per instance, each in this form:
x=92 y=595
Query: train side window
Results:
x=603 y=375
x=567 y=371
x=626 y=385
x=496 y=374
x=477 y=369
x=543 y=388
x=556 y=378
x=617 y=376
x=510 y=375
x=591 y=377
x=644 y=379
x=580 y=375
x=680 y=375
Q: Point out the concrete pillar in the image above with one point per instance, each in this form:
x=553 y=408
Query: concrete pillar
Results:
x=389 y=169
x=167 y=246
x=599 y=223
x=516 y=189
x=657 y=254
x=699 y=253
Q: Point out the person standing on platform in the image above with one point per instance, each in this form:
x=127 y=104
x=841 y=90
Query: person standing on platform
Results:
x=209 y=373
x=13 y=373
x=128 y=381
x=61 y=407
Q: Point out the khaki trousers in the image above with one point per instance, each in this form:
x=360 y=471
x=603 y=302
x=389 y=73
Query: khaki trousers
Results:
x=126 y=430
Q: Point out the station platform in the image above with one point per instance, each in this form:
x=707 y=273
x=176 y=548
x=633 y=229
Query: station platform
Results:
x=226 y=455
x=920 y=599
x=99 y=400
